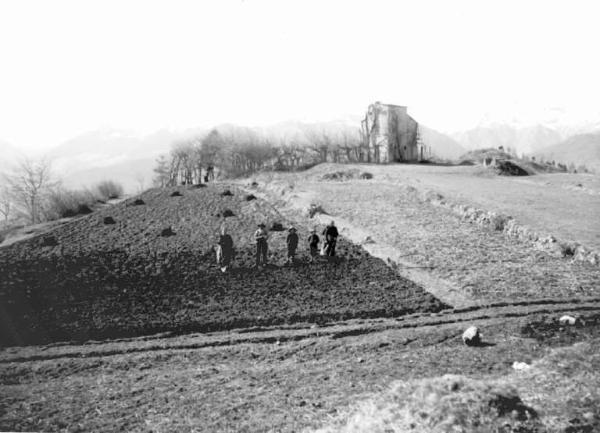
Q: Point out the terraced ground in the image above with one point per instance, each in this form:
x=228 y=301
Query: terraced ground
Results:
x=351 y=345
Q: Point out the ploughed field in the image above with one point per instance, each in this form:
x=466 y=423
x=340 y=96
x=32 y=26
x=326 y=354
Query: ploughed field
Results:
x=95 y=278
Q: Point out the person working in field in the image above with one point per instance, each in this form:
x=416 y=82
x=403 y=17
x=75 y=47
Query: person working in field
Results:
x=313 y=244
x=292 y=244
x=331 y=235
x=224 y=250
x=261 y=236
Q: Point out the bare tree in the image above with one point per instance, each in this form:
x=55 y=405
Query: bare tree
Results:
x=140 y=179
x=161 y=179
x=28 y=183
x=5 y=203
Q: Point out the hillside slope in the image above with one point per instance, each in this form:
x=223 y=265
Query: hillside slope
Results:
x=89 y=279
x=580 y=149
x=442 y=145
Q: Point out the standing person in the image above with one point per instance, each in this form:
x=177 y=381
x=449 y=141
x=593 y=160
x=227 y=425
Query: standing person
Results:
x=313 y=244
x=261 y=236
x=331 y=235
x=292 y=244
x=224 y=250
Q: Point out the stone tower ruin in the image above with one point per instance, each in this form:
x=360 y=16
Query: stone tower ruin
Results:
x=391 y=135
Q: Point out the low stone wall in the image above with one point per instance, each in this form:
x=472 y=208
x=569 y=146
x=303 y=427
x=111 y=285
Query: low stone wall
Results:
x=510 y=227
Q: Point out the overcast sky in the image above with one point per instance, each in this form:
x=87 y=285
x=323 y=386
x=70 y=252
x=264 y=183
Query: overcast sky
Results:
x=71 y=66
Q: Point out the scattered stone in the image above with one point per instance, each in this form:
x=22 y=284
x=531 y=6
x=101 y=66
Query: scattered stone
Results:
x=368 y=240
x=520 y=365
x=48 y=241
x=254 y=184
x=109 y=220
x=167 y=232
x=226 y=193
x=250 y=197
x=138 y=202
x=176 y=194
x=199 y=185
x=366 y=175
x=471 y=336
x=567 y=320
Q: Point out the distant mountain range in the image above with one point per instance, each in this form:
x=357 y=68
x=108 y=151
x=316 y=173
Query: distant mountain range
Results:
x=129 y=158
x=521 y=139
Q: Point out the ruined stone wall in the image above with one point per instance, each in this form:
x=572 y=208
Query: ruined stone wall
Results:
x=392 y=134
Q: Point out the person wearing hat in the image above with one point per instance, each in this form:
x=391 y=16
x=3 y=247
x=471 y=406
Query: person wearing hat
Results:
x=292 y=244
x=224 y=250
x=331 y=234
x=313 y=244
x=261 y=236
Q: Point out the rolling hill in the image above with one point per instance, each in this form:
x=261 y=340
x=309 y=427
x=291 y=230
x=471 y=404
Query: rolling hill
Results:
x=581 y=149
x=523 y=139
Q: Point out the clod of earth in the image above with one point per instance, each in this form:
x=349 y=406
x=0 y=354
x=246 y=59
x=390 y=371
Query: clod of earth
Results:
x=84 y=209
x=226 y=193
x=227 y=213
x=366 y=175
x=48 y=241
x=176 y=194
x=109 y=220
x=167 y=232
x=199 y=185
x=250 y=197
x=138 y=202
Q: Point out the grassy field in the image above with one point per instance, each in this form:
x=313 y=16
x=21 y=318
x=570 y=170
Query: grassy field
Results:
x=565 y=205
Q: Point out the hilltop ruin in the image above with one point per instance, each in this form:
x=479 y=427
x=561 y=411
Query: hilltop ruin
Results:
x=392 y=135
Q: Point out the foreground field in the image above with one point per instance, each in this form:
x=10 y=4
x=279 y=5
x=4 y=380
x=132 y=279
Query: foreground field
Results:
x=125 y=279
x=286 y=380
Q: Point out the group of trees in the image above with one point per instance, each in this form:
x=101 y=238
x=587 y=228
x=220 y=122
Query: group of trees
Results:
x=238 y=151
x=24 y=189
x=31 y=194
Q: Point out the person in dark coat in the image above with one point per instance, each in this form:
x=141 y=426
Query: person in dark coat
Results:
x=331 y=234
x=292 y=244
x=224 y=250
x=261 y=236
x=313 y=244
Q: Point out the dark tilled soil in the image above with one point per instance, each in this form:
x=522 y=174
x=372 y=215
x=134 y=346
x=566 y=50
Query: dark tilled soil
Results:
x=111 y=280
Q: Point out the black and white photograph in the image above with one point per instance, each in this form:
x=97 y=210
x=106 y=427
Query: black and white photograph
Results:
x=300 y=216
